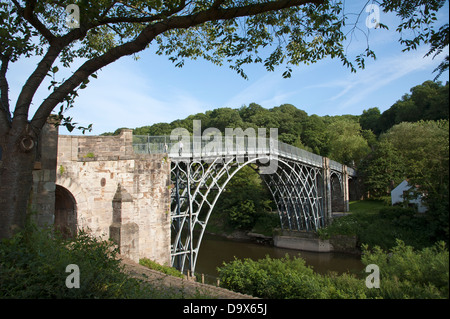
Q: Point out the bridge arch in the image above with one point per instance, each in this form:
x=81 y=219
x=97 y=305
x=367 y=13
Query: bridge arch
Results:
x=302 y=184
x=198 y=186
x=337 y=192
x=298 y=192
x=72 y=191
x=65 y=212
x=189 y=178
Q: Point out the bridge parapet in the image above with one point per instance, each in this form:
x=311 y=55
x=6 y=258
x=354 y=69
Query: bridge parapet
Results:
x=221 y=146
x=89 y=148
x=204 y=147
x=336 y=166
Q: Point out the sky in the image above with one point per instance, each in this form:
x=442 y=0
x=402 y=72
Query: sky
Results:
x=132 y=94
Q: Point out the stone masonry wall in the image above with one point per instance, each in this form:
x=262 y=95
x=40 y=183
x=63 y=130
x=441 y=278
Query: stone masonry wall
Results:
x=118 y=194
x=42 y=199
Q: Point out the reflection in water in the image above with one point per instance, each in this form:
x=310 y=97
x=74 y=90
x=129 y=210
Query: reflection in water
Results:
x=215 y=250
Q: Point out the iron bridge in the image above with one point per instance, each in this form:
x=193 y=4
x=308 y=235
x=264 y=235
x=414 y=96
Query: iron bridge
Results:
x=301 y=183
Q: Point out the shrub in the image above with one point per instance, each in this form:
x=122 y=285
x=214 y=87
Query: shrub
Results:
x=346 y=225
x=406 y=273
x=33 y=265
x=395 y=212
x=382 y=227
x=285 y=278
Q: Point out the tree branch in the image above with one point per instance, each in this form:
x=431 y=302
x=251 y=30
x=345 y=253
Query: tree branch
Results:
x=5 y=114
x=33 y=83
x=217 y=4
x=27 y=14
x=144 y=38
x=4 y=87
x=108 y=9
x=152 y=18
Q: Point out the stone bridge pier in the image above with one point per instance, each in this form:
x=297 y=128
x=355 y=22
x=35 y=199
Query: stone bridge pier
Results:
x=101 y=186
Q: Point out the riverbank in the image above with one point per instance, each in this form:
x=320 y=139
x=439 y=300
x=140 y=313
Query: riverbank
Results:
x=311 y=241
x=182 y=287
x=298 y=240
x=240 y=235
x=216 y=250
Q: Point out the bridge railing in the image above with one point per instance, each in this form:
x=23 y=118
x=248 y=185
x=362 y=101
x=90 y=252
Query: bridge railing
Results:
x=296 y=153
x=335 y=165
x=221 y=145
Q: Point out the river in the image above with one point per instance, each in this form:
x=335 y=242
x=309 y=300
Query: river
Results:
x=215 y=250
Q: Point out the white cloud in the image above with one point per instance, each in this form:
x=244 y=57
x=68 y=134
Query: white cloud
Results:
x=122 y=97
x=354 y=90
x=269 y=90
x=133 y=94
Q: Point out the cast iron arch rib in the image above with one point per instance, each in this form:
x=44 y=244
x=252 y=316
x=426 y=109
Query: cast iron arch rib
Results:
x=194 y=190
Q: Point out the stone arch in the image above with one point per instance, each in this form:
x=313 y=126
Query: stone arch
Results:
x=65 y=212
x=79 y=197
x=337 y=193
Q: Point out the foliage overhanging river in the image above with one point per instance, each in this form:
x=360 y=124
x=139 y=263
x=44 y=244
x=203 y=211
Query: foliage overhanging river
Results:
x=215 y=250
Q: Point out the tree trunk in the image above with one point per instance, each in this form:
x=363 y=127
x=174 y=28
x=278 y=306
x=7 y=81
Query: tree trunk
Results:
x=16 y=180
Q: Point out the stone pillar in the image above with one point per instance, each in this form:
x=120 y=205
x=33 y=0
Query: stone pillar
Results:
x=42 y=200
x=345 y=188
x=126 y=148
x=122 y=231
x=327 y=189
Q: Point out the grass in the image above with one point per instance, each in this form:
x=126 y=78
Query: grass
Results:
x=366 y=206
x=376 y=224
x=164 y=269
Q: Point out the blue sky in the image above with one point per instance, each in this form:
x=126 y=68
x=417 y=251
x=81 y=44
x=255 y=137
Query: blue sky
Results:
x=133 y=93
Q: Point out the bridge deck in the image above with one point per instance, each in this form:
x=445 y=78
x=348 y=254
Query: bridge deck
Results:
x=198 y=148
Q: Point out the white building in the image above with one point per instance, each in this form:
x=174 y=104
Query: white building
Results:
x=400 y=195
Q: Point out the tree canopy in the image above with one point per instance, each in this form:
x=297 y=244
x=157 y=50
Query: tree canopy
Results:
x=278 y=33
x=384 y=152
x=428 y=101
x=235 y=33
x=346 y=138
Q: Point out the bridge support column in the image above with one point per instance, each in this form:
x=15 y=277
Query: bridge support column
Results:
x=345 y=186
x=327 y=199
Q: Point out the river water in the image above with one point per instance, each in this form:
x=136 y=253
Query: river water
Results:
x=216 y=250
